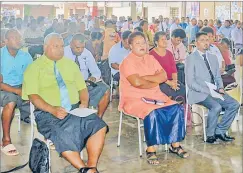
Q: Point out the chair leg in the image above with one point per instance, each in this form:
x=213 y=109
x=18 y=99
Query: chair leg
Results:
x=48 y=146
x=166 y=147
x=82 y=155
x=119 y=132
x=19 y=122
x=139 y=138
x=111 y=89
x=204 y=125
x=186 y=116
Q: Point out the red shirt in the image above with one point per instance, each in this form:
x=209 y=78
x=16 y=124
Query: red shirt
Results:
x=167 y=62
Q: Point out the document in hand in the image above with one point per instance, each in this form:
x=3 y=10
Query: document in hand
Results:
x=213 y=93
x=82 y=112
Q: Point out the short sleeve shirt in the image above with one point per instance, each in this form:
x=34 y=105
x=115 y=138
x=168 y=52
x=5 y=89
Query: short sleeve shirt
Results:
x=40 y=79
x=13 y=68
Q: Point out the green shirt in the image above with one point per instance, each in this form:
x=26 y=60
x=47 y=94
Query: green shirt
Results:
x=40 y=79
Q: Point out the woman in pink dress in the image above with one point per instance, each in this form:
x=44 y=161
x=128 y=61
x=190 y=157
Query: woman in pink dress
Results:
x=140 y=76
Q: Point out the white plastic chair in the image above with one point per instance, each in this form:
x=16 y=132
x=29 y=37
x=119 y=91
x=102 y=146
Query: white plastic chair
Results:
x=139 y=126
x=111 y=88
x=19 y=118
x=48 y=142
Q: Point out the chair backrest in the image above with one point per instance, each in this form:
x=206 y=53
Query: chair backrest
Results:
x=32 y=120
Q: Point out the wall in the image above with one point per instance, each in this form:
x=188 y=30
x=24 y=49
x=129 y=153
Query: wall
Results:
x=207 y=10
x=41 y=10
x=122 y=11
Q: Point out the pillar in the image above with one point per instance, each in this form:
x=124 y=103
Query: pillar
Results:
x=66 y=11
x=133 y=11
x=94 y=9
x=183 y=9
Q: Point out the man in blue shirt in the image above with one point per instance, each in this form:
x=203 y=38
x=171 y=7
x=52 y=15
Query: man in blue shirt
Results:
x=225 y=30
x=117 y=53
x=13 y=64
x=183 y=23
x=99 y=93
x=192 y=30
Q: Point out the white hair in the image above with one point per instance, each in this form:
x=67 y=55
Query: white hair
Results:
x=50 y=37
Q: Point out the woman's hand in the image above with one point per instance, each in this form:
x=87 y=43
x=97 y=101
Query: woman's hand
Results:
x=173 y=84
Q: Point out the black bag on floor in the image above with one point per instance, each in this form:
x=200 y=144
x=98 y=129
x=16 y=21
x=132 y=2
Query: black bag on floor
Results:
x=39 y=157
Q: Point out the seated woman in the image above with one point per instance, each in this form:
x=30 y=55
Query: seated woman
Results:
x=172 y=87
x=140 y=76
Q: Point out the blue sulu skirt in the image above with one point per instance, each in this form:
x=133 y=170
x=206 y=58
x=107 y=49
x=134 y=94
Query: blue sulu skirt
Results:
x=165 y=125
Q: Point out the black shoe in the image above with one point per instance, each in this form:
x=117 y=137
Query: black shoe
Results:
x=26 y=120
x=223 y=138
x=211 y=140
x=230 y=137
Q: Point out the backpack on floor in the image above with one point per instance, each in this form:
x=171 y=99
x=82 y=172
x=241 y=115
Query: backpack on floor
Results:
x=39 y=157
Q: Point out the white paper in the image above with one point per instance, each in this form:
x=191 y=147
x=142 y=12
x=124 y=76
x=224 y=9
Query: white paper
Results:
x=82 y=112
x=213 y=93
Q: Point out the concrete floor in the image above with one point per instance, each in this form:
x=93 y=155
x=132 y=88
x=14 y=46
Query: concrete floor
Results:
x=204 y=158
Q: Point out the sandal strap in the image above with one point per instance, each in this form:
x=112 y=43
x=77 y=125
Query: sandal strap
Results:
x=151 y=156
x=177 y=149
x=86 y=169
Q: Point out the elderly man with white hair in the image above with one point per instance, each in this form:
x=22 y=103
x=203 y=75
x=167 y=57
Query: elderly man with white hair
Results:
x=54 y=84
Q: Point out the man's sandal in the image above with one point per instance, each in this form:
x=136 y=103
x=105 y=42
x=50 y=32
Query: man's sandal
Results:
x=152 y=158
x=9 y=150
x=86 y=170
x=179 y=151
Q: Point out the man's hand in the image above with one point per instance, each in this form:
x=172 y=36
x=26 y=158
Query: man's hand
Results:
x=59 y=112
x=92 y=79
x=221 y=91
x=18 y=91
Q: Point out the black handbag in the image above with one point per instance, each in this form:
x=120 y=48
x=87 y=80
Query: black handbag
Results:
x=39 y=157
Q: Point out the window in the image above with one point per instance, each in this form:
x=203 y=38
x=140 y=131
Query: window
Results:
x=174 y=12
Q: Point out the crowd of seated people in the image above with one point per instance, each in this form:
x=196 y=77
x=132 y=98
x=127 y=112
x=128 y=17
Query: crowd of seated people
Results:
x=78 y=57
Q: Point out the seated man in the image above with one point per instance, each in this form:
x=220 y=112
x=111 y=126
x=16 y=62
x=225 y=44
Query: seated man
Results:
x=98 y=91
x=13 y=64
x=202 y=67
x=117 y=53
x=214 y=49
x=33 y=35
x=55 y=86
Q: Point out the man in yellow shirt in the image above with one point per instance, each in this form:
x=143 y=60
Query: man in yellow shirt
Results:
x=55 y=86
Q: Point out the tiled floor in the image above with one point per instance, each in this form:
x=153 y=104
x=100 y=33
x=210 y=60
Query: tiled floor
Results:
x=204 y=158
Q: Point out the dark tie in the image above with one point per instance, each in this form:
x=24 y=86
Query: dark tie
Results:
x=77 y=62
x=209 y=70
x=162 y=28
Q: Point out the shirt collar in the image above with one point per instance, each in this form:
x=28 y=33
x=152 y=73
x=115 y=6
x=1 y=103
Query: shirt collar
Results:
x=49 y=61
x=6 y=49
x=201 y=53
